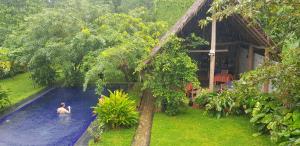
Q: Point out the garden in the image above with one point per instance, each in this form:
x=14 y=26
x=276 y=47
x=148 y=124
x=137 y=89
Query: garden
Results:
x=137 y=57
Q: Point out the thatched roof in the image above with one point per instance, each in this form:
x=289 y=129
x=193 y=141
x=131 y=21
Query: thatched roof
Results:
x=199 y=11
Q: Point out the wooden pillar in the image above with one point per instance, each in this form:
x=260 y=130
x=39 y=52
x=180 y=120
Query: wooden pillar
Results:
x=237 y=63
x=267 y=59
x=212 y=54
x=250 y=58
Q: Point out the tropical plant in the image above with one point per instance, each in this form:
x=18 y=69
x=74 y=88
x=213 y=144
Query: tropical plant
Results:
x=271 y=117
x=117 y=110
x=222 y=104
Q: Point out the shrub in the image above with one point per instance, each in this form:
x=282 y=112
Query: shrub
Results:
x=221 y=104
x=4 y=100
x=204 y=97
x=117 y=110
x=174 y=104
x=271 y=117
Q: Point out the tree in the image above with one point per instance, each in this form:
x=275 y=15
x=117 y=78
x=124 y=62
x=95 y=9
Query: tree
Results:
x=13 y=12
x=53 y=43
x=126 y=43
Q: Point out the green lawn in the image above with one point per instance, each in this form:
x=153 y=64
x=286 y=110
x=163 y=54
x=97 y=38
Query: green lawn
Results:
x=19 y=87
x=116 y=138
x=193 y=128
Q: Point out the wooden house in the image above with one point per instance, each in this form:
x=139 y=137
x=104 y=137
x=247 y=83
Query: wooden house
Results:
x=235 y=45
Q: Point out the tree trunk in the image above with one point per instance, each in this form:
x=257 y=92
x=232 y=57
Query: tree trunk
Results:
x=143 y=133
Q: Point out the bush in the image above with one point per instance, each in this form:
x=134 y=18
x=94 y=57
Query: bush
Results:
x=117 y=110
x=271 y=117
x=4 y=100
x=174 y=104
x=221 y=104
x=204 y=97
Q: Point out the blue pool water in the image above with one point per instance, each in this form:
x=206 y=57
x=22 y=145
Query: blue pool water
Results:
x=38 y=124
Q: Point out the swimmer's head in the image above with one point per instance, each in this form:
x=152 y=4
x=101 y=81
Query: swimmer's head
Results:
x=62 y=104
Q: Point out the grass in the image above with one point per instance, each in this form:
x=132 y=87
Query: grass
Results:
x=193 y=128
x=19 y=87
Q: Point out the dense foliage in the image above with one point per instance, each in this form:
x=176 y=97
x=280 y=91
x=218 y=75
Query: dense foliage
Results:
x=13 y=12
x=126 y=43
x=51 y=38
x=54 y=42
x=117 y=110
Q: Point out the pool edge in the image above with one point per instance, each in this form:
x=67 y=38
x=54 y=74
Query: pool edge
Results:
x=84 y=137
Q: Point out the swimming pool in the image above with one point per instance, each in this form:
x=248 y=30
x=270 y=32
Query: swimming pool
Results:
x=38 y=124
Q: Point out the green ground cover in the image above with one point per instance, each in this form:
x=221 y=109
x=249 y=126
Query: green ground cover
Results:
x=171 y=10
x=192 y=128
x=19 y=87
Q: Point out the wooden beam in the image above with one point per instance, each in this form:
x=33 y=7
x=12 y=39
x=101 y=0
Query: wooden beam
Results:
x=228 y=43
x=254 y=46
x=267 y=83
x=207 y=51
x=250 y=58
x=142 y=135
x=212 y=54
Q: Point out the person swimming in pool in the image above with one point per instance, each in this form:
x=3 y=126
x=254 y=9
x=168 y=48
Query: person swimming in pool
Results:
x=63 y=110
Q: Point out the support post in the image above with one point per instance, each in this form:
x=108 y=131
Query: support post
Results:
x=212 y=55
x=267 y=83
x=250 y=58
x=237 y=62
